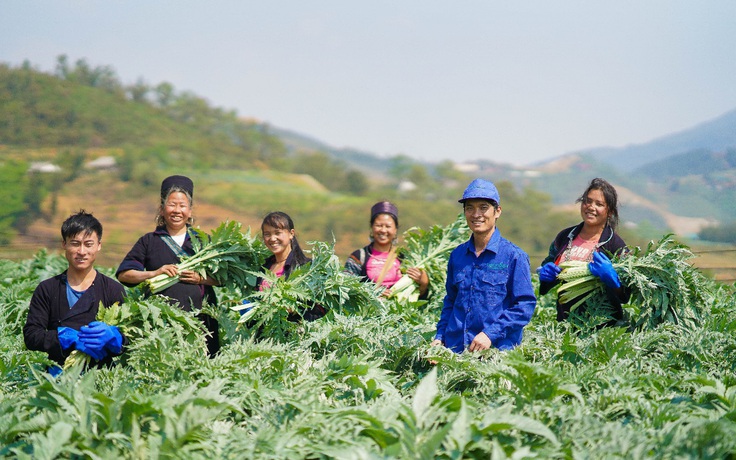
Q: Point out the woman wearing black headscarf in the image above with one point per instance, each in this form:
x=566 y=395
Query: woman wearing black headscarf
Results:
x=159 y=252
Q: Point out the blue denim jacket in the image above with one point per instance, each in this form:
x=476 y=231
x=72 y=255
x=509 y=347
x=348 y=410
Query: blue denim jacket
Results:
x=492 y=293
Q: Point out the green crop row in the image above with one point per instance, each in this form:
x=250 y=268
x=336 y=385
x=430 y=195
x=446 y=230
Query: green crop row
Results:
x=358 y=384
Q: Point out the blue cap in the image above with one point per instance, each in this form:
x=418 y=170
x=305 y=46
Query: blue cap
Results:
x=481 y=189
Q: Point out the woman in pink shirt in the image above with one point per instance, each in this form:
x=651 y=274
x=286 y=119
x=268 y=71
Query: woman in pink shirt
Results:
x=279 y=236
x=378 y=261
x=594 y=240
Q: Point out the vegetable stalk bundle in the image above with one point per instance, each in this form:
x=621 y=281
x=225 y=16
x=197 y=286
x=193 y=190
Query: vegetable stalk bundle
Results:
x=321 y=282
x=428 y=250
x=137 y=318
x=577 y=283
x=228 y=256
x=664 y=286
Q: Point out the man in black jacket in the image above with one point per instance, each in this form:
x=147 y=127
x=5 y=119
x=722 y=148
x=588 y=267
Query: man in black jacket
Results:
x=63 y=309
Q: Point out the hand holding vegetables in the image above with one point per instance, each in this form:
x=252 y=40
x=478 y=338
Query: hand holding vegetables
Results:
x=223 y=258
x=69 y=337
x=602 y=268
x=420 y=277
x=548 y=272
x=101 y=337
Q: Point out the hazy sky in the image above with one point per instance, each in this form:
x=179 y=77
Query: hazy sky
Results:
x=514 y=81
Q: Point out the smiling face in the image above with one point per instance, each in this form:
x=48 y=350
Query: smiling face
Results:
x=176 y=212
x=277 y=240
x=594 y=209
x=383 y=230
x=81 y=250
x=481 y=216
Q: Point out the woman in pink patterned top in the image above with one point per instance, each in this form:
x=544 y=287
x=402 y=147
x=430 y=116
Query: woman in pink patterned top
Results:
x=377 y=261
x=595 y=241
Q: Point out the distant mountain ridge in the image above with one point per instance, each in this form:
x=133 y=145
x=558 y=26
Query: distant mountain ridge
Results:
x=680 y=181
x=366 y=162
x=714 y=135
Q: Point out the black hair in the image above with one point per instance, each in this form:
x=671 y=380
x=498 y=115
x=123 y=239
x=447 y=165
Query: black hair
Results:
x=375 y=216
x=609 y=193
x=490 y=201
x=281 y=220
x=81 y=222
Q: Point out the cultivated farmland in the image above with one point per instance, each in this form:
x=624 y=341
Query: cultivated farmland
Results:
x=358 y=383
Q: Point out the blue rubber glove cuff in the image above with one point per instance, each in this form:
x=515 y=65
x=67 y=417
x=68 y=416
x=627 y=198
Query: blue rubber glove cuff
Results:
x=548 y=272
x=55 y=371
x=115 y=345
x=603 y=269
x=67 y=337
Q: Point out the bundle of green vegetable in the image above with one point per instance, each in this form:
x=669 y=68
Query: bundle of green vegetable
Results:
x=664 y=286
x=320 y=282
x=428 y=250
x=227 y=255
x=138 y=317
x=577 y=283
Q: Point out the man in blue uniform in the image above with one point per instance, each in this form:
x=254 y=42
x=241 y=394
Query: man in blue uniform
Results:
x=490 y=297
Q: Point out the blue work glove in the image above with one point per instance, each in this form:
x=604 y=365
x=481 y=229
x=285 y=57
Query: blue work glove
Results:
x=603 y=269
x=67 y=337
x=100 y=336
x=55 y=371
x=246 y=309
x=548 y=272
x=97 y=355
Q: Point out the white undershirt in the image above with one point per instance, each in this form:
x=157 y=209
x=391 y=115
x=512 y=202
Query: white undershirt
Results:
x=180 y=239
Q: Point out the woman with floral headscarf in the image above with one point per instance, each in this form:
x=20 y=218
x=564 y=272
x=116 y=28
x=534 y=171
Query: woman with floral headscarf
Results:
x=378 y=261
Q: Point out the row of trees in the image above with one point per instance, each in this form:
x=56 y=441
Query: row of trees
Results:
x=149 y=129
x=82 y=105
x=188 y=108
x=88 y=106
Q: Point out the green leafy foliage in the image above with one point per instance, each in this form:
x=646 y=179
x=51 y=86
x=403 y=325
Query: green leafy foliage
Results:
x=320 y=282
x=358 y=383
x=429 y=250
x=146 y=322
x=664 y=287
x=226 y=255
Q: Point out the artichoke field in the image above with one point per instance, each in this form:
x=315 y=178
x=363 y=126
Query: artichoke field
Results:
x=358 y=383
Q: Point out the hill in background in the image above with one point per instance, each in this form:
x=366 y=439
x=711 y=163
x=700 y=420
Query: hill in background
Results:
x=715 y=135
x=244 y=169
x=683 y=182
x=53 y=128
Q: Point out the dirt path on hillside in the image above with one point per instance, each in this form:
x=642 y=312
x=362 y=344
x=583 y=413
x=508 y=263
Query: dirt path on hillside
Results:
x=680 y=225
